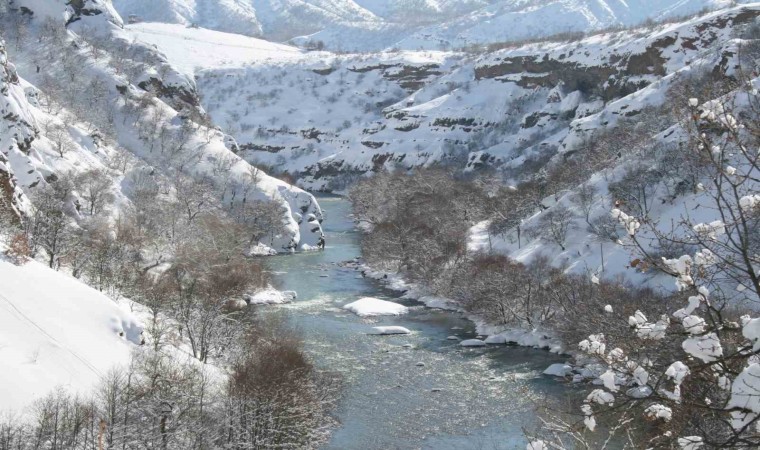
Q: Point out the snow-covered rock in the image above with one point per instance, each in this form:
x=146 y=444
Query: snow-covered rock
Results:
x=175 y=96
x=406 y=108
x=473 y=343
x=496 y=339
x=368 y=307
x=261 y=250
x=270 y=296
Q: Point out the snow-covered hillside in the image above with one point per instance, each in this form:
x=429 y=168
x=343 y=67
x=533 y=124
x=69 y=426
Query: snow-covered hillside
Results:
x=326 y=118
x=109 y=89
x=191 y=50
x=95 y=131
x=57 y=332
x=370 y=25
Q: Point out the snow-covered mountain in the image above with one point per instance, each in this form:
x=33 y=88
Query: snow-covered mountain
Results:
x=371 y=25
x=325 y=118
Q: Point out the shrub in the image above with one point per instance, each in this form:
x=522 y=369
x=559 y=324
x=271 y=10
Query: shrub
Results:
x=19 y=250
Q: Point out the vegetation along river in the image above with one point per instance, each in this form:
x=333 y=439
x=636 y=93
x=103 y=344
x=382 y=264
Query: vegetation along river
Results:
x=418 y=391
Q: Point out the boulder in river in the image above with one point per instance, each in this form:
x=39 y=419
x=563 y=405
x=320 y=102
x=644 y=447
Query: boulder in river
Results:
x=368 y=306
x=270 y=296
x=559 y=370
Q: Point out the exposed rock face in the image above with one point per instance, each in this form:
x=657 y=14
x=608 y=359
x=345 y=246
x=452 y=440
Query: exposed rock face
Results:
x=76 y=10
x=9 y=193
x=618 y=73
x=181 y=94
x=409 y=77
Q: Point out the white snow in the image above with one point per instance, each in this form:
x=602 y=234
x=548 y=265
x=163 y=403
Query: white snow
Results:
x=496 y=339
x=601 y=397
x=368 y=307
x=270 y=296
x=374 y=25
x=647 y=330
x=56 y=331
x=390 y=330
x=745 y=391
x=608 y=379
x=261 y=250
x=193 y=49
x=658 y=411
x=751 y=331
x=473 y=343
x=707 y=348
x=690 y=442
x=593 y=345
x=537 y=445
x=750 y=202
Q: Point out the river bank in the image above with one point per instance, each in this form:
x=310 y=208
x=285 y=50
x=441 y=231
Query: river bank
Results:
x=408 y=391
x=493 y=334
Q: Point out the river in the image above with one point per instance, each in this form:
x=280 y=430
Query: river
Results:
x=418 y=391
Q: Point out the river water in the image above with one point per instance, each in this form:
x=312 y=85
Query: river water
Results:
x=456 y=398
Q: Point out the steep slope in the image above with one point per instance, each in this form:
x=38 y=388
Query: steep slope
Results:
x=16 y=135
x=369 y=25
x=69 y=116
x=57 y=332
x=111 y=78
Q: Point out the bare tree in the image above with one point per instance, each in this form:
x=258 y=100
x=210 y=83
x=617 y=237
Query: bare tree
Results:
x=585 y=197
x=194 y=195
x=553 y=225
x=50 y=228
x=61 y=139
x=94 y=187
x=264 y=220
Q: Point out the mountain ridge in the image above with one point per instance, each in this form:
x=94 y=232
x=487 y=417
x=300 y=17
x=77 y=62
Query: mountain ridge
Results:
x=428 y=24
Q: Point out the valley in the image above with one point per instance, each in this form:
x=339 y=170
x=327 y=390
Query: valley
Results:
x=359 y=224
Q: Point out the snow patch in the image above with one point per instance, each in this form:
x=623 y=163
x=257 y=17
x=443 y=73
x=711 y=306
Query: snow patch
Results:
x=368 y=307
